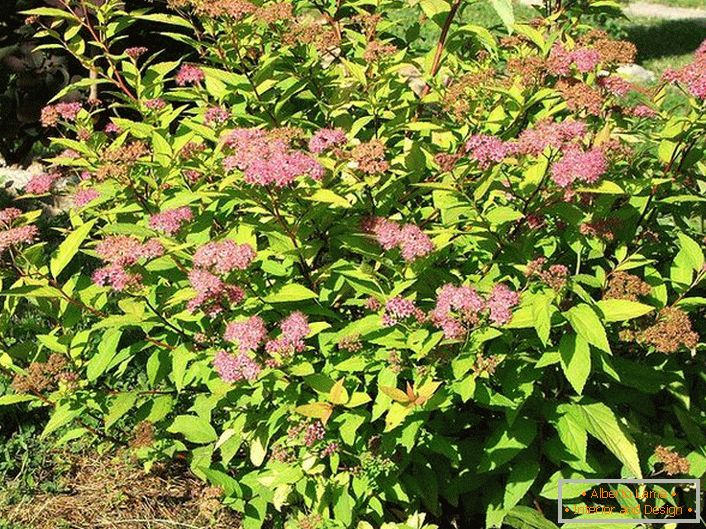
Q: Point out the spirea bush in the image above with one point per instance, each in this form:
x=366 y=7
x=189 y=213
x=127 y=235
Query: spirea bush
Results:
x=361 y=276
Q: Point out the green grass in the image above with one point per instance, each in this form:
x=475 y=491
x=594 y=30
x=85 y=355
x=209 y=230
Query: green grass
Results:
x=664 y=43
x=679 y=3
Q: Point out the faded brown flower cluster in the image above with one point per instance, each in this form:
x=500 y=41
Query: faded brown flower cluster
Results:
x=370 y=157
x=611 y=51
x=673 y=463
x=671 y=331
x=580 y=97
x=554 y=276
x=456 y=98
x=350 y=343
x=118 y=162
x=312 y=32
x=622 y=285
x=143 y=435
x=376 y=51
x=531 y=69
x=43 y=376
x=485 y=365
x=602 y=229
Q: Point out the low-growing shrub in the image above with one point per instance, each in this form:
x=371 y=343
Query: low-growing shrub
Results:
x=352 y=278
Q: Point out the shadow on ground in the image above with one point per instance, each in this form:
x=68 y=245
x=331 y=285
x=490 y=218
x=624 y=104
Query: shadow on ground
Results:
x=665 y=38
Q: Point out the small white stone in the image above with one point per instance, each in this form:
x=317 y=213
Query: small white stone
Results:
x=636 y=74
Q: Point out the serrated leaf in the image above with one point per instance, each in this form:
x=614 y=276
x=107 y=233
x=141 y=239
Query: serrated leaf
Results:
x=194 y=429
x=290 y=293
x=329 y=197
x=338 y=393
x=519 y=481
x=622 y=309
x=107 y=348
x=316 y=410
x=505 y=11
x=575 y=360
x=600 y=421
x=68 y=248
x=587 y=325
x=522 y=517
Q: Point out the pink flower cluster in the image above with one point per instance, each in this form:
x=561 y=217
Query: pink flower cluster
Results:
x=463 y=301
x=15 y=236
x=156 y=104
x=41 y=183
x=399 y=309
x=294 y=329
x=642 y=111
x=218 y=257
x=457 y=308
x=500 y=303
x=692 y=76
x=410 y=239
x=212 y=293
x=52 y=113
x=135 y=51
x=170 y=220
x=487 y=150
x=224 y=256
x=112 y=128
x=216 y=115
x=268 y=161
x=561 y=59
x=83 y=197
x=234 y=368
x=189 y=74
x=616 y=85
x=584 y=166
x=325 y=139
x=314 y=432
x=122 y=252
x=8 y=215
x=549 y=134
x=249 y=334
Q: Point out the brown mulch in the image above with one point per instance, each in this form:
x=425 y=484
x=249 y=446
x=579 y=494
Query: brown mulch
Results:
x=112 y=492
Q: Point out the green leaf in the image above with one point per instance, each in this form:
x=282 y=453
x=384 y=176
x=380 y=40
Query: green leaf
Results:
x=690 y=254
x=522 y=517
x=289 y=293
x=600 y=421
x=550 y=490
x=622 y=309
x=506 y=442
x=587 y=324
x=194 y=429
x=107 y=348
x=258 y=448
x=121 y=405
x=572 y=435
x=519 y=481
x=396 y=416
x=575 y=360
x=329 y=197
x=505 y=11
x=15 y=398
x=164 y=19
x=68 y=248
x=435 y=10
x=62 y=415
